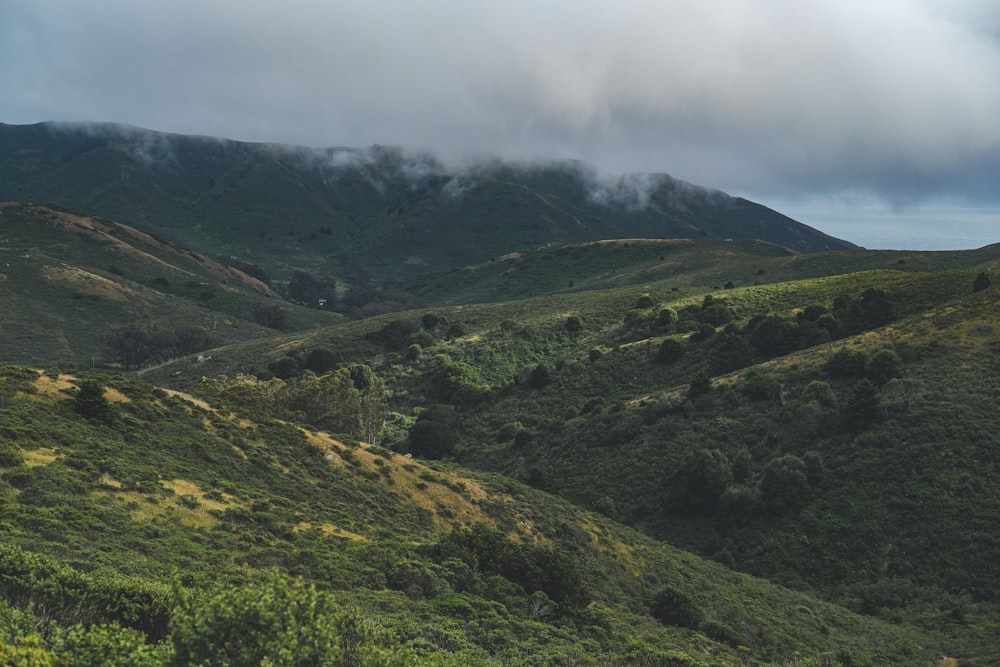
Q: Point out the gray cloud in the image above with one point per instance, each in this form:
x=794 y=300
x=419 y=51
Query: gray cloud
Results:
x=767 y=98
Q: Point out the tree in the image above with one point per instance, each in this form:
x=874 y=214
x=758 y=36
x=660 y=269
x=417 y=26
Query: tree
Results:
x=774 y=335
x=701 y=384
x=312 y=291
x=321 y=360
x=846 y=363
x=541 y=376
x=673 y=607
x=432 y=439
x=784 y=484
x=863 y=406
x=91 y=403
x=883 y=366
x=703 y=477
x=671 y=350
x=981 y=282
x=874 y=308
x=666 y=320
x=270 y=316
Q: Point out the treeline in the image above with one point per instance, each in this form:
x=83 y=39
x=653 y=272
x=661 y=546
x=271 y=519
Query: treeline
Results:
x=134 y=346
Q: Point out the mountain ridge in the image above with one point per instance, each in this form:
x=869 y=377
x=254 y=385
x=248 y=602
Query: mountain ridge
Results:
x=396 y=213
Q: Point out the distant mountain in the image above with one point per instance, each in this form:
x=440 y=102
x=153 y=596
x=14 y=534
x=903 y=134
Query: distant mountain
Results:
x=350 y=211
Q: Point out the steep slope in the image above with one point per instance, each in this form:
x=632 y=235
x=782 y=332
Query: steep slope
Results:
x=68 y=282
x=330 y=210
x=130 y=484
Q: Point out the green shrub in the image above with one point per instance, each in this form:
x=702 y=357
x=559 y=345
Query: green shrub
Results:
x=671 y=606
x=670 y=350
x=883 y=366
x=846 y=363
x=784 y=484
x=644 y=302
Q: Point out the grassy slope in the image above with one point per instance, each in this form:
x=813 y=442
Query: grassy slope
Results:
x=174 y=487
x=874 y=533
x=703 y=263
x=67 y=280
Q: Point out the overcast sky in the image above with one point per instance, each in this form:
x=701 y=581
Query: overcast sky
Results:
x=833 y=111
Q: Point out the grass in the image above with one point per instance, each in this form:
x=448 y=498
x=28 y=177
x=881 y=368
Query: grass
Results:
x=169 y=507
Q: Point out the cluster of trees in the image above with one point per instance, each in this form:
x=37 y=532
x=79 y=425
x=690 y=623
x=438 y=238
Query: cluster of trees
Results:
x=135 y=346
x=349 y=400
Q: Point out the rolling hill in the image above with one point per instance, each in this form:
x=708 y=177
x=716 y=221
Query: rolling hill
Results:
x=68 y=282
x=410 y=562
x=378 y=210
x=628 y=421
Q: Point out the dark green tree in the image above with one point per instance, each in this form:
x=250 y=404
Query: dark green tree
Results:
x=981 y=282
x=884 y=366
x=784 y=484
x=90 y=402
x=703 y=477
x=673 y=607
x=863 y=406
x=671 y=350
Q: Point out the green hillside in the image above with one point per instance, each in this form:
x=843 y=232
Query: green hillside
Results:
x=70 y=282
x=701 y=263
x=349 y=407
x=113 y=489
x=338 y=211
x=834 y=434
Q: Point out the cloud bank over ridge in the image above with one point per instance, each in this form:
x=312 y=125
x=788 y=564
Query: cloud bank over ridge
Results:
x=773 y=98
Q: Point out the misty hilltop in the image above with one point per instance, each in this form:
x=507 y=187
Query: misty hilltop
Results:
x=382 y=209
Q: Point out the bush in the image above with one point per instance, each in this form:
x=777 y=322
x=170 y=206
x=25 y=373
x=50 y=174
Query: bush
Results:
x=666 y=320
x=671 y=350
x=883 y=366
x=673 y=607
x=279 y=621
x=703 y=477
x=574 y=324
x=846 y=363
x=432 y=439
x=644 y=302
x=981 y=282
x=785 y=483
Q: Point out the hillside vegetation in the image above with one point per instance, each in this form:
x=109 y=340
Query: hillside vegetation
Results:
x=147 y=527
x=836 y=434
x=83 y=290
x=349 y=407
x=348 y=212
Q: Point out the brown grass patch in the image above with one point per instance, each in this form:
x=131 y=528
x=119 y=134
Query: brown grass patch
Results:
x=38 y=457
x=328 y=530
x=115 y=396
x=50 y=386
x=413 y=482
